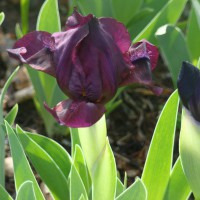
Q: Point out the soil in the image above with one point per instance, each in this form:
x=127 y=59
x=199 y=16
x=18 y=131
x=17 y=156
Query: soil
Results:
x=130 y=125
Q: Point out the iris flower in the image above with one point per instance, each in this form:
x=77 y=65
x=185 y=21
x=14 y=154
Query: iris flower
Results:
x=90 y=59
x=189 y=89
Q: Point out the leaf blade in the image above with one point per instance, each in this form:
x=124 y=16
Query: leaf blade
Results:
x=160 y=151
x=22 y=168
x=136 y=191
x=26 y=191
x=42 y=161
x=178 y=187
x=173 y=49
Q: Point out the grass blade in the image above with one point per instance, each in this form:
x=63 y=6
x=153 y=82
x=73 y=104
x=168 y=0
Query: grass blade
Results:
x=10 y=117
x=76 y=185
x=178 y=187
x=22 y=169
x=2 y=16
x=159 y=158
x=81 y=167
x=4 y=194
x=100 y=160
x=189 y=143
x=24 y=6
x=26 y=191
x=168 y=14
x=119 y=188
x=173 y=49
x=2 y=131
x=41 y=160
x=192 y=36
x=136 y=191
x=55 y=150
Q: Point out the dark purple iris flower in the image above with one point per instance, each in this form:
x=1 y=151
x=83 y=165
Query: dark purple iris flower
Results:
x=189 y=89
x=90 y=60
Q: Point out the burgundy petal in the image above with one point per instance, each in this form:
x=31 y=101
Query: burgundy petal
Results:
x=77 y=113
x=118 y=31
x=144 y=49
x=70 y=76
x=102 y=63
x=77 y=20
x=187 y=81
x=189 y=88
x=35 y=49
x=194 y=102
x=140 y=72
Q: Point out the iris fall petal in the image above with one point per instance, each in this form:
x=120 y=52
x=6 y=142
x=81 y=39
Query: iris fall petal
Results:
x=77 y=113
x=35 y=49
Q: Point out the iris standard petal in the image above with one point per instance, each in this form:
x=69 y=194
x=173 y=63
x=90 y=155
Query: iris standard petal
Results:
x=140 y=72
x=144 y=49
x=76 y=20
x=187 y=82
x=101 y=60
x=77 y=113
x=35 y=49
x=118 y=32
x=69 y=74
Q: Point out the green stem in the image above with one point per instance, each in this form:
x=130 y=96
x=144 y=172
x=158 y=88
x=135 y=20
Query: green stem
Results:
x=93 y=141
x=100 y=160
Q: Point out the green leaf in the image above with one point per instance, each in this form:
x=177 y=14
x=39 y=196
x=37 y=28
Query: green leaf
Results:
x=198 y=63
x=40 y=98
x=136 y=191
x=4 y=194
x=24 y=6
x=46 y=167
x=104 y=167
x=94 y=138
x=159 y=158
x=10 y=117
x=178 y=187
x=125 y=180
x=74 y=140
x=76 y=185
x=55 y=151
x=173 y=49
x=98 y=8
x=130 y=8
x=80 y=165
x=119 y=188
x=86 y=6
x=3 y=92
x=168 y=14
x=196 y=6
x=82 y=197
x=2 y=155
x=22 y=169
x=189 y=143
x=49 y=19
x=192 y=37
x=2 y=16
x=99 y=159
x=18 y=31
x=26 y=191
